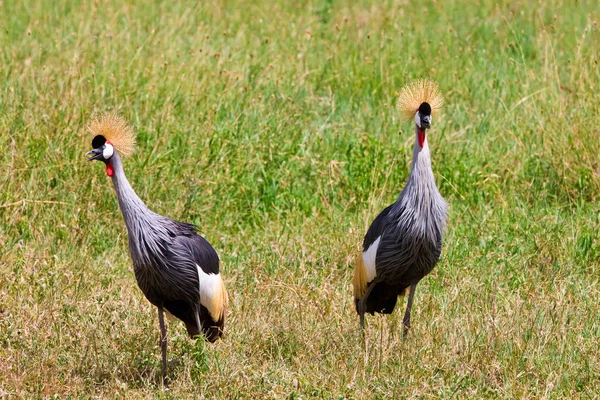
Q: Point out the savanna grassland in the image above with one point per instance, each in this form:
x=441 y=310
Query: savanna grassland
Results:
x=272 y=126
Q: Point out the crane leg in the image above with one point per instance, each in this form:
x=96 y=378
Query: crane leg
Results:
x=163 y=341
x=361 y=314
x=197 y=315
x=406 y=320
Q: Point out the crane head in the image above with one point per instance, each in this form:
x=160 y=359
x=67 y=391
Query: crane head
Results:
x=111 y=133
x=103 y=150
x=423 y=116
x=113 y=130
x=418 y=101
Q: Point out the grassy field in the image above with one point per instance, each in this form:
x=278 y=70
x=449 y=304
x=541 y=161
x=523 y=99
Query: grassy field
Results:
x=272 y=127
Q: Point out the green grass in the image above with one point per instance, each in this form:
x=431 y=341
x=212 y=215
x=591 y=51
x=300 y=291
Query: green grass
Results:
x=272 y=127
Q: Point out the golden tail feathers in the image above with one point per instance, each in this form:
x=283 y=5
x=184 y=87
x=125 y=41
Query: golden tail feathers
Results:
x=359 y=281
x=217 y=305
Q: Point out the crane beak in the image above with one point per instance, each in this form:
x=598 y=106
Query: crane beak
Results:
x=94 y=154
x=426 y=122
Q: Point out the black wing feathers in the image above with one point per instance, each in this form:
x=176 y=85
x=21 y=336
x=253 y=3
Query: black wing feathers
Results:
x=201 y=251
x=205 y=256
x=377 y=228
x=382 y=299
x=173 y=281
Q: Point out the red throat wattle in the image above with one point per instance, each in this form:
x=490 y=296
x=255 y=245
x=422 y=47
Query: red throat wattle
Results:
x=421 y=138
x=109 y=170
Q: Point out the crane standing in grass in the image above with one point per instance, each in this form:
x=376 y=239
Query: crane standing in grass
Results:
x=404 y=242
x=176 y=269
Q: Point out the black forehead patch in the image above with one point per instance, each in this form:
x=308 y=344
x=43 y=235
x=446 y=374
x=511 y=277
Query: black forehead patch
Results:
x=425 y=109
x=98 y=141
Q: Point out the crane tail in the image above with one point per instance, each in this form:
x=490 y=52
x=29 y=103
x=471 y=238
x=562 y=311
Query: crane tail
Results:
x=210 y=328
x=218 y=302
x=359 y=281
x=377 y=296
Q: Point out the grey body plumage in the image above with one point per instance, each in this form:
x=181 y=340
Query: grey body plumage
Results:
x=166 y=255
x=404 y=242
x=411 y=241
x=176 y=269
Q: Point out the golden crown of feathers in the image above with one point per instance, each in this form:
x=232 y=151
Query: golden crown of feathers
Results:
x=116 y=131
x=417 y=92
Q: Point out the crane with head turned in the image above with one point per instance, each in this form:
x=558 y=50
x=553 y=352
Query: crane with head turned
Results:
x=404 y=242
x=176 y=269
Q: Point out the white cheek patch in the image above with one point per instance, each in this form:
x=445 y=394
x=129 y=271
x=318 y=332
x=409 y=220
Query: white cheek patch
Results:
x=418 y=119
x=108 y=151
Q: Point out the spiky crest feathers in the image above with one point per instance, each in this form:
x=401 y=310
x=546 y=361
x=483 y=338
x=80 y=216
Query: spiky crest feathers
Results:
x=115 y=130
x=416 y=93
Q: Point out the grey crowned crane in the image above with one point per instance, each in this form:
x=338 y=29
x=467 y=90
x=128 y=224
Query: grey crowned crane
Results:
x=404 y=242
x=176 y=269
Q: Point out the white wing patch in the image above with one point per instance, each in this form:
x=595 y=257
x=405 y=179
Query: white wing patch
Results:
x=209 y=285
x=212 y=293
x=369 y=259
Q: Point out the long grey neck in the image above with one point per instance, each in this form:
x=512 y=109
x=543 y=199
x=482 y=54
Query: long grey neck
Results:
x=147 y=231
x=421 y=173
x=132 y=207
x=420 y=200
